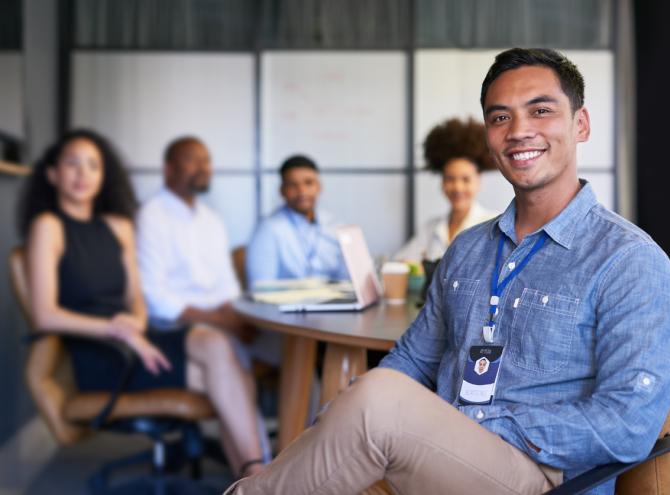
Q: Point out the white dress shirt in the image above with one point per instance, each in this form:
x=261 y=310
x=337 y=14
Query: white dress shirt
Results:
x=184 y=257
x=432 y=240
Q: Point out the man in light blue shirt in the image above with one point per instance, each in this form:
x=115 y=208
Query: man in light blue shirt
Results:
x=541 y=351
x=297 y=240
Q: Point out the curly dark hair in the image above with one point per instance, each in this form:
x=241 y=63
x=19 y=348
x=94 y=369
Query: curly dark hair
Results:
x=455 y=138
x=116 y=195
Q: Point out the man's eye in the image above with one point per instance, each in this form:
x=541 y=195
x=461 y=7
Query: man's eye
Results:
x=499 y=118
x=541 y=111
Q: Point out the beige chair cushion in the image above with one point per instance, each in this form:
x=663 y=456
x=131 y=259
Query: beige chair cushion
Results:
x=174 y=403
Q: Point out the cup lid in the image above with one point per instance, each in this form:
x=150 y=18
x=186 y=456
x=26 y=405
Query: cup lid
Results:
x=395 y=267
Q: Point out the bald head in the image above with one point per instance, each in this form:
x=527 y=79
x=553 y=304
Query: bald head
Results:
x=187 y=167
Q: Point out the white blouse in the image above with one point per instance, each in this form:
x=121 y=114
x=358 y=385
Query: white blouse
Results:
x=432 y=240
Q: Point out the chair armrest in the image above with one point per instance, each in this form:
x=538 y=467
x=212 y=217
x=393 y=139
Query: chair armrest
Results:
x=130 y=360
x=600 y=474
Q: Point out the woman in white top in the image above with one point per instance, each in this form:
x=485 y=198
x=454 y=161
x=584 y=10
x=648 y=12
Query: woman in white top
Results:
x=458 y=151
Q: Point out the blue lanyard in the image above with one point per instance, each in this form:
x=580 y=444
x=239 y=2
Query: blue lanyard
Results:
x=498 y=288
x=309 y=249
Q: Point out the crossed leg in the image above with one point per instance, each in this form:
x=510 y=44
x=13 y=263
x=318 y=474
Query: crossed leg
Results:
x=214 y=369
x=387 y=426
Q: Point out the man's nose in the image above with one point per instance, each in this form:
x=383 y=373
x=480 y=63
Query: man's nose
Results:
x=520 y=128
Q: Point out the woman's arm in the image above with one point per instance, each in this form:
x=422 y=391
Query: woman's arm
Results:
x=124 y=231
x=45 y=247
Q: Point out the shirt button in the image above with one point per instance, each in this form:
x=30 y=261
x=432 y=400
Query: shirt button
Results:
x=646 y=380
x=511 y=266
x=480 y=414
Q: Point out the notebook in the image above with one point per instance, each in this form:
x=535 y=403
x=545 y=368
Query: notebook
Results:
x=365 y=287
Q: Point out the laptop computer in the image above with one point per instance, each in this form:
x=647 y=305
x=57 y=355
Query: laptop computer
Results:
x=365 y=287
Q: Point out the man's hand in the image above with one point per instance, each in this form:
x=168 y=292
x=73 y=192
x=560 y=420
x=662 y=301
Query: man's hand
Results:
x=222 y=317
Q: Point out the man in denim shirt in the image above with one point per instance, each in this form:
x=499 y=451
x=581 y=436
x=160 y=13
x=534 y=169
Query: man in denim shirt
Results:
x=576 y=372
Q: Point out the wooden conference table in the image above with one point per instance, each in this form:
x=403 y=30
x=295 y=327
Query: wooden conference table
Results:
x=348 y=335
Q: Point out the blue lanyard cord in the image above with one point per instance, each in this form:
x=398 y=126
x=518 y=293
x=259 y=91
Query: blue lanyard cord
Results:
x=497 y=290
x=309 y=250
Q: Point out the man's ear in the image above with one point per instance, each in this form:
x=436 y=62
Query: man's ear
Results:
x=168 y=173
x=281 y=190
x=583 y=123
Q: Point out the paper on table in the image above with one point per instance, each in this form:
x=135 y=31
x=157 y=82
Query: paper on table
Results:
x=299 y=295
x=290 y=284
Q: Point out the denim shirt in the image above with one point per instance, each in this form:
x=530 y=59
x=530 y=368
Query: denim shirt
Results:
x=585 y=374
x=286 y=245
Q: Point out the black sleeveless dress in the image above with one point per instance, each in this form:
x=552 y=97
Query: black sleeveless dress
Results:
x=92 y=280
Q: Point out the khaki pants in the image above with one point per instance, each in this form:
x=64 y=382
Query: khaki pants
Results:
x=387 y=426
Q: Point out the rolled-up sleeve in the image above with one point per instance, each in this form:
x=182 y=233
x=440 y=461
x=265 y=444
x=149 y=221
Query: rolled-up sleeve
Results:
x=421 y=348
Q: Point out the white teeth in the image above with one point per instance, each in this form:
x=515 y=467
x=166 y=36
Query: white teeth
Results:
x=526 y=155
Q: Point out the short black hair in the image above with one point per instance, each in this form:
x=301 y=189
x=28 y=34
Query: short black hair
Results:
x=297 y=161
x=571 y=80
x=37 y=195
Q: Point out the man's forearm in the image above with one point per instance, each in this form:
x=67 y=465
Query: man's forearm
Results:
x=191 y=315
x=223 y=317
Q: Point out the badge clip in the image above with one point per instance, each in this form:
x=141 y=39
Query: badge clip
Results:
x=488 y=332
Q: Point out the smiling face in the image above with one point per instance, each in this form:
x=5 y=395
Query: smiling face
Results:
x=460 y=183
x=78 y=174
x=301 y=188
x=531 y=130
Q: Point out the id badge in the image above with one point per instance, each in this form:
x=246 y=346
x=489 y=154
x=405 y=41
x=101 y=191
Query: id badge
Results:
x=480 y=375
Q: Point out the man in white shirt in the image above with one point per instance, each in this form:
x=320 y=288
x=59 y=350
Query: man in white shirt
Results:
x=183 y=251
x=183 y=254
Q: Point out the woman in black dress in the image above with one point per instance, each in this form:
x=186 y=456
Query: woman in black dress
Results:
x=76 y=214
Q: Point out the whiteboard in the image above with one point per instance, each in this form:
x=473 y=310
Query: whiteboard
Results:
x=11 y=94
x=142 y=101
x=344 y=109
x=448 y=84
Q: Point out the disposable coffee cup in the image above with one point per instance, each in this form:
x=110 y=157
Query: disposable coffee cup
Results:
x=395 y=277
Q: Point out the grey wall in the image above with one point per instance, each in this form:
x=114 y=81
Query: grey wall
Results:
x=17 y=406
x=40 y=78
x=40 y=59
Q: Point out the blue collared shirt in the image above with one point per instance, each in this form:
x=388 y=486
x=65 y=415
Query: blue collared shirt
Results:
x=286 y=245
x=585 y=375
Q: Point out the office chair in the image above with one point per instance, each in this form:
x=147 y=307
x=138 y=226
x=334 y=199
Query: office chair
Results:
x=71 y=415
x=239 y=256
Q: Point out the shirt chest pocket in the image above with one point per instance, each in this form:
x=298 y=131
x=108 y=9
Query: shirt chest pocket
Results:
x=458 y=296
x=542 y=331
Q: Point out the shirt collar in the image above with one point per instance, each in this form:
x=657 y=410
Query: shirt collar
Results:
x=562 y=227
x=298 y=218
x=473 y=217
x=180 y=206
